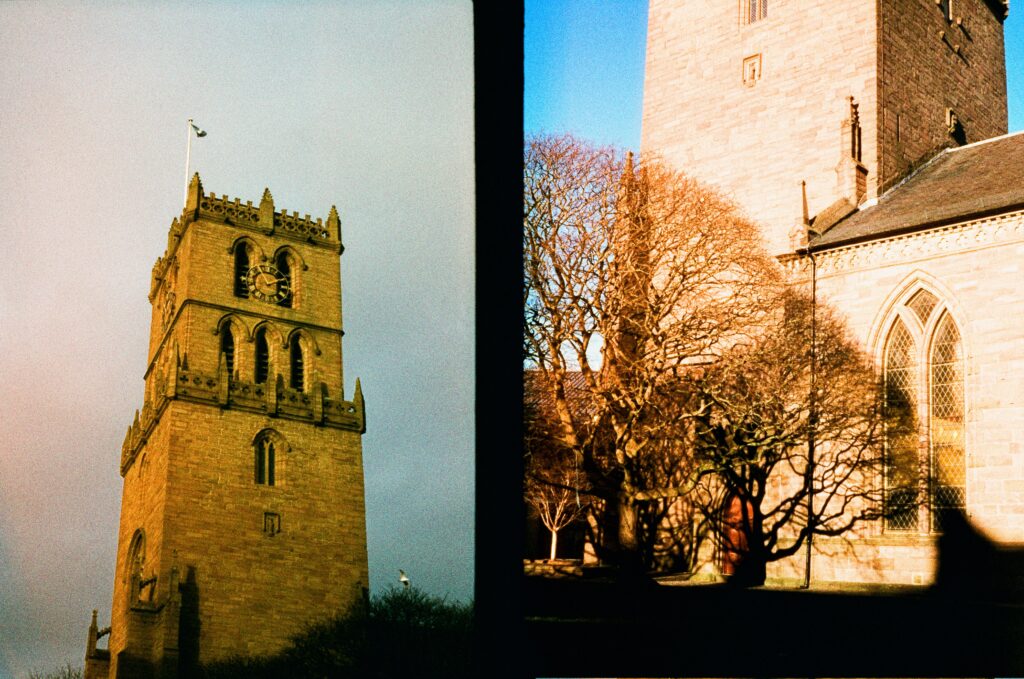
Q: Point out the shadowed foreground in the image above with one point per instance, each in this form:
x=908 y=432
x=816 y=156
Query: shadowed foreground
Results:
x=970 y=623
x=401 y=633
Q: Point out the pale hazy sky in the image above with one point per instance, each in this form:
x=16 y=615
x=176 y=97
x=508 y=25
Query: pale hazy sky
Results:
x=366 y=105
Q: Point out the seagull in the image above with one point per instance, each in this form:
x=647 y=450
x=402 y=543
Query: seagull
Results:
x=403 y=578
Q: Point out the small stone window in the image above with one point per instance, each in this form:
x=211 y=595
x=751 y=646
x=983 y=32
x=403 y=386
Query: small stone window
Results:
x=753 y=10
x=271 y=523
x=946 y=6
x=265 y=450
x=751 y=70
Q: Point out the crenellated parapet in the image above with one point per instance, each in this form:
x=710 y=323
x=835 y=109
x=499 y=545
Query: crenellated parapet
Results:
x=272 y=398
x=262 y=217
x=234 y=213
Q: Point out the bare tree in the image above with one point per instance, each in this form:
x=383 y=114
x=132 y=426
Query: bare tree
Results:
x=663 y=274
x=555 y=487
x=752 y=439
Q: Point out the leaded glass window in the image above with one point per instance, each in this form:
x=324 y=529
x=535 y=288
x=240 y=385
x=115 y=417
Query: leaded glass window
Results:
x=922 y=304
x=902 y=473
x=946 y=457
x=926 y=461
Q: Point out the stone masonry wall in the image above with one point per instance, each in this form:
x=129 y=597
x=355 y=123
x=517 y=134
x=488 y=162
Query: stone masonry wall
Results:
x=143 y=502
x=974 y=268
x=256 y=589
x=758 y=142
x=928 y=64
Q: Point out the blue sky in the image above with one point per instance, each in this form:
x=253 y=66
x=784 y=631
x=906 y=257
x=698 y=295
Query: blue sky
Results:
x=584 y=67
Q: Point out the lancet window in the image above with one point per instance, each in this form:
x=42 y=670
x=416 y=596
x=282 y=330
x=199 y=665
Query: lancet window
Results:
x=926 y=471
x=227 y=349
x=265 y=464
x=284 y=265
x=262 y=366
x=243 y=257
x=298 y=367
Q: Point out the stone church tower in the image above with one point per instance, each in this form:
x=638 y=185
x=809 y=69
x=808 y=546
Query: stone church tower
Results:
x=757 y=96
x=242 y=513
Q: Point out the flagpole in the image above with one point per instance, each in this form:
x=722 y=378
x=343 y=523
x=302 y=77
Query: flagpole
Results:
x=188 y=154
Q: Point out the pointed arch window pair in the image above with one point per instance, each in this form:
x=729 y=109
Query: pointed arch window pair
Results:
x=926 y=471
x=296 y=361
x=261 y=369
x=271 y=283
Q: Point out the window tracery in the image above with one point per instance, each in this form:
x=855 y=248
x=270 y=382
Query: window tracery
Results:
x=265 y=460
x=924 y=398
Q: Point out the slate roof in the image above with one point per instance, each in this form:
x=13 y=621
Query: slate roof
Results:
x=960 y=183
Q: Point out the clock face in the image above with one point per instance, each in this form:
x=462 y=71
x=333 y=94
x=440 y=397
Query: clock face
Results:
x=267 y=284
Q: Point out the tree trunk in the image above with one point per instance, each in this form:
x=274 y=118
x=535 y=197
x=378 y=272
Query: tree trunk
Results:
x=630 y=560
x=554 y=544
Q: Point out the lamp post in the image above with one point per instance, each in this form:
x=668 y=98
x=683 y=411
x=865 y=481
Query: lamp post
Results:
x=812 y=411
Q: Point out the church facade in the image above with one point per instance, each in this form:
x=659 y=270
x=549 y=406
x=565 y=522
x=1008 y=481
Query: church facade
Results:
x=869 y=140
x=242 y=513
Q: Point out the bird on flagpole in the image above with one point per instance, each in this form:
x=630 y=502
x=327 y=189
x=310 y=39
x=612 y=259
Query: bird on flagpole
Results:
x=188 y=153
x=403 y=578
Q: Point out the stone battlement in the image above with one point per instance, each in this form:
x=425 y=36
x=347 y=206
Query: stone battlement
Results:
x=232 y=212
x=269 y=398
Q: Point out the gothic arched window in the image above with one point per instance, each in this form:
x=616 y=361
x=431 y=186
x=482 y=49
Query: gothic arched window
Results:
x=136 y=554
x=265 y=463
x=262 y=367
x=901 y=441
x=284 y=265
x=926 y=471
x=298 y=367
x=227 y=349
x=243 y=257
x=946 y=457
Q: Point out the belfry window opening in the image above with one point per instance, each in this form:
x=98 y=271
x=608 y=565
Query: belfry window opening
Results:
x=227 y=349
x=242 y=260
x=262 y=368
x=283 y=264
x=298 y=367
